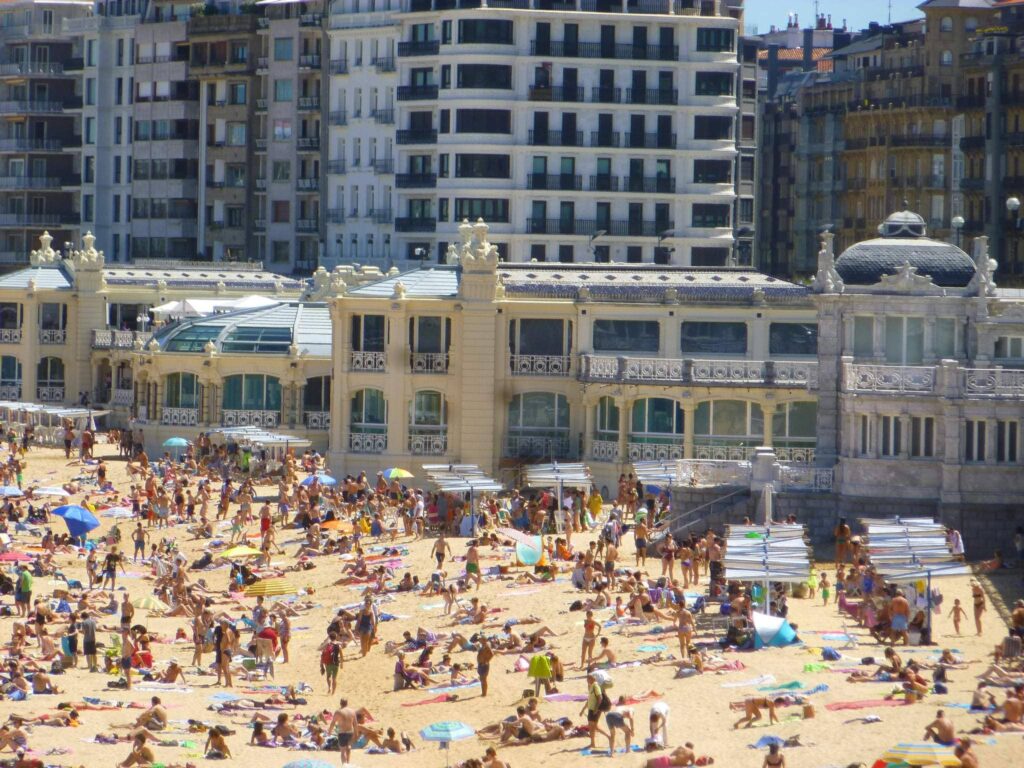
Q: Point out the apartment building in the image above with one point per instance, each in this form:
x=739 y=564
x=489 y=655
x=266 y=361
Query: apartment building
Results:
x=614 y=129
x=39 y=127
x=106 y=42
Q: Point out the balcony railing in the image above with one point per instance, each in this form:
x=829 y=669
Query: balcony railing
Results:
x=179 y=417
x=50 y=394
x=307 y=225
x=417 y=92
x=383 y=164
x=309 y=61
x=428 y=362
x=555 y=138
x=238 y=417
x=652 y=96
x=384 y=64
x=52 y=335
x=537 y=447
x=415 y=136
x=415 y=180
x=432 y=444
x=122 y=398
x=604 y=450
x=319 y=421
x=335 y=216
x=38 y=219
x=415 y=224
x=669 y=451
x=555 y=93
x=992 y=382
x=663 y=184
x=540 y=365
x=375 y=362
x=367 y=442
x=921 y=140
x=29 y=106
x=308 y=184
x=616 y=227
x=685 y=371
x=651 y=140
x=383 y=116
x=419 y=48
x=103 y=338
x=598 y=50
x=308 y=144
x=309 y=102
x=336 y=166
x=31 y=145
x=562 y=181
x=10 y=335
x=338 y=67
x=889 y=378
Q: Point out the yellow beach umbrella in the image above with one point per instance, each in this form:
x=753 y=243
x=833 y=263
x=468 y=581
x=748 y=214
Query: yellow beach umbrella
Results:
x=149 y=603
x=922 y=753
x=271 y=587
x=241 y=550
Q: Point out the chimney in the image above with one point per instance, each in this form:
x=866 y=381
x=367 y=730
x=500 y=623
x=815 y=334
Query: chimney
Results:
x=808 y=50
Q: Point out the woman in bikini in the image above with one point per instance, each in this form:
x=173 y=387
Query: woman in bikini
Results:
x=979 y=604
x=668 y=556
x=591 y=629
x=774 y=758
x=684 y=629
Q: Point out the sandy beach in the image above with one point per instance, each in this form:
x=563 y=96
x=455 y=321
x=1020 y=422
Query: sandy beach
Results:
x=700 y=710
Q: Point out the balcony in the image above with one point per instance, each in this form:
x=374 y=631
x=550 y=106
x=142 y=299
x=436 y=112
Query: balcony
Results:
x=179 y=417
x=31 y=68
x=889 y=379
x=237 y=417
x=37 y=106
x=613 y=227
x=661 y=184
x=308 y=144
x=382 y=217
x=609 y=95
x=652 y=96
x=417 y=92
x=383 y=116
x=39 y=219
x=31 y=145
x=33 y=182
x=555 y=93
x=598 y=50
x=540 y=365
x=337 y=167
x=384 y=64
x=338 y=67
x=311 y=184
x=372 y=362
x=260 y=182
x=972 y=185
x=311 y=20
x=419 y=48
x=317 y=421
x=50 y=394
x=428 y=444
x=383 y=165
x=921 y=140
x=260 y=144
x=651 y=140
x=428 y=362
x=972 y=142
x=307 y=225
x=415 y=224
x=338 y=118
x=415 y=180
x=992 y=383
x=309 y=102
x=259 y=224
x=552 y=448
x=972 y=101
x=335 y=216
x=52 y=335
x=605 y=139
x=261 y=105
x=309 y=61
x=10 y=335
x=668 y=451
x=416 y=136
x=103 y=338
x=367 y=442
x=262 y=63
x=560 y=181
x=686 y=371
x=555 y=138
x=603 y=182
x=122 y=398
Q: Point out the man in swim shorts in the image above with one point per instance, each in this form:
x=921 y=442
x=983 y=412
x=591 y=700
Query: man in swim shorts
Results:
x=344 y=721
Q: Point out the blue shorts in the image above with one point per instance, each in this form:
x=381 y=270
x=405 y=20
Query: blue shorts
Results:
x=899 y=623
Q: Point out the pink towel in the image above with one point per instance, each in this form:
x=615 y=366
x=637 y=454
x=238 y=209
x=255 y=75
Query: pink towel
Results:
x=868 y=704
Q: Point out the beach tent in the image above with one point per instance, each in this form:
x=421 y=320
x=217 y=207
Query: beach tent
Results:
x=558 y=476
x=772 y=631
x=463 y=478
x=765 y=554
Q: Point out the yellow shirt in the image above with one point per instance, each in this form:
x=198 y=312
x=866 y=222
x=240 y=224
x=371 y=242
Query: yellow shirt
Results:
x=594 y=503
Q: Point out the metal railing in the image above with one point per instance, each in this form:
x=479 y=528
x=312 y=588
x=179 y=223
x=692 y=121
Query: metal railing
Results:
x=540 y=365
x=415 y=180
x=555 y=138
x=10 y=335
x=52 y=335
x=319 y=421
x=50 y=394
x=428 y=444
x=239 y=417
x=179 y=417
x=367 y=361
x=562 y=181
x=428 y=362
x=858 y=377
x=367 y=442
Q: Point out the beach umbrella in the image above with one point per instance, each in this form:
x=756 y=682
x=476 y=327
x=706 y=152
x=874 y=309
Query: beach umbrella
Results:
x=149 y=603
x=518 y=536
x=922 y=753
x=270 y=588
x=11 y=490
x=15 y=557
x=446 y=732
x=397 y=473
x=176 y=444
x=51 y=491
x=240 y=551
x=309 y=763
x=335 y=525
x=322 y=478
x=116 y=512
x=79 y=520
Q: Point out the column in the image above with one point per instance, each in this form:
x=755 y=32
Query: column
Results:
x=689 y=409
x=991 y=433
x=847 y=340
x=878 y=339
x=904 y=437
x=588 y=429
x=875 y=426
x=768 y=409
x=929 y=340
x=300 y=403
x=623 y=405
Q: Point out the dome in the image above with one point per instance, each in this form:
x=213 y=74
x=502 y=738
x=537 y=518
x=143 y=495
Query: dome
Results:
x=903 y=241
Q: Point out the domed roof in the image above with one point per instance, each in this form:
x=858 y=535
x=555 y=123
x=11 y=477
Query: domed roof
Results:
x=903 y=241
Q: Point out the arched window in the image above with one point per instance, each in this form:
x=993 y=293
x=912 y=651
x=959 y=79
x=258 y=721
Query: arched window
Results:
x=947 y=59
x=538 y=426
x=369 y=412
x=317 y=396
x=794 y=431
x=10 y=378
x=971 y=25
x=654 y=419
x=946 y=25
x=50 y=372
x=181 y=390
x=607 y=426
x=252 y=392
x=727 y=429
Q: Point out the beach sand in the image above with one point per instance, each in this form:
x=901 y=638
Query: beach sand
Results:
x=699 y=705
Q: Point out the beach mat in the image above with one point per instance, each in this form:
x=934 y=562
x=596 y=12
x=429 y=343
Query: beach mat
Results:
x=837 y=706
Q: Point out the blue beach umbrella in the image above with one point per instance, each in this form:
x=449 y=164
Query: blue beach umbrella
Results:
x=325 y=480
x=79 y=520
x=176 y=444
x=309 y=763
x=446 y=732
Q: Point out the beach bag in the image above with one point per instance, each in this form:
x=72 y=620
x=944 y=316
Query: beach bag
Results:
x=605 y=704
x=941 y=688
x=829 y=654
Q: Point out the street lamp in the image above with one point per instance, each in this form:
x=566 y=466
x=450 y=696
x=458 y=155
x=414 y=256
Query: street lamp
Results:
x=141 y=321
x=958 y=225
x=1013 y=206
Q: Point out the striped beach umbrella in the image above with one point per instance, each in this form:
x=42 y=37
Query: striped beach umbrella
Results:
x=922 y=753
x=271 y=588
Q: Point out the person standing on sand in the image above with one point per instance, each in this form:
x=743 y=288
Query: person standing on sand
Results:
x=344 y=721
x=483 y=663
x=591 y=629
x=440 y=547
x=473 y=564
x=979 y=604
x=899 y=609
x=595 y=696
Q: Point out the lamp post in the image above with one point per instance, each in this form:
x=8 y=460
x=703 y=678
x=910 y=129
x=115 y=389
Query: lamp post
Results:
x=958 y=225
x=141 y=320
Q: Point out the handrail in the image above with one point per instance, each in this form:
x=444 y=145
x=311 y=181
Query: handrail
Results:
x=673 y=523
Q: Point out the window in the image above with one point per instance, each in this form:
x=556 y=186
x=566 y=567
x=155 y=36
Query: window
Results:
x=368 y=333
x=236 y=93
x=904 y=340
x=708 y=257
x=252 y=392
x=282 y=130
x=710 y=215
x=181 y=390
x=430 y=334
x=566 y=254
x=734 y=419
x=280 y=211
x=706 y=337
x=484 y=76
x=794 y=426
x=863 y=436
x=239 y=52
x=922 y=436
x=89 y=169
x=490 y=209
x=974 y=440
x=282 y=170
x=863 y=336
x=1006 y=441
x=236 y=134
x=892 y=437
x=257 y=339
x=283 y=90
x=427 y=413
x=712 y=171
x=10 y=373
x=715 y=40
x=369 y=412
x=90 y=91
x=485 y=31
x=944 y=342
x=538 y=411
x=792 y=339
x=626 y=336
x=482 y=166
x=10 y=315
x=1010 y=347
x=709 y=128
x=234 y=175
x=483 y=121
x=317 y=394
x=280 y=251
x=607 y=426
x=53 y=317
x=546 y=338
x=50 y=372
x=90 y=130
x=946 y=59
x=655 y=416
x=282 y=49
x=946 y=24
x=234 y=216
x=714 y=84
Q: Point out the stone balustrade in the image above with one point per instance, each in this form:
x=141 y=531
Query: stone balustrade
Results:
x=52 y=335
x=992 y=382
x=124 y=398
x=238 y=417
x=654 y=451
x=318 y=420
x=947 y=379
x=50 y=394
x=858 y=377
x=10 y=393
x=605 y=450
x=106 y=338
x=687 y=371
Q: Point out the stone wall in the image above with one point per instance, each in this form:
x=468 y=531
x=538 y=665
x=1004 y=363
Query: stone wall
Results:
x=985 y=528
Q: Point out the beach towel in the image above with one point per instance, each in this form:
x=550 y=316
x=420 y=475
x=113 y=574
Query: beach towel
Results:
x=759 y=680
x=652 y=648
x=867 y=704
x=766 y=741
x=456 y=687
x=817 y=666
x=439 y=699
x=588 y=752
x=729 y=666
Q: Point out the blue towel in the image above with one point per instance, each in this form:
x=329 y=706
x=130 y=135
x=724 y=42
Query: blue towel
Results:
x=588 y=752
x=766 y=741
x=652 y=648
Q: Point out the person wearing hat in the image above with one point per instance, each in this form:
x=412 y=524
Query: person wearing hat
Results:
x=173 y=673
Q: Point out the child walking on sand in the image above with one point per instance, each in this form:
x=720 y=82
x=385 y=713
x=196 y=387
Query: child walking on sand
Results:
x=957 y=614
x=825 y=592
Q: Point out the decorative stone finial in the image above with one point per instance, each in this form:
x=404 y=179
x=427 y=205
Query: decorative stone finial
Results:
x=293 y=350
x=983 y=283
x=399 y=290
x=759 y=297
x=153 y=346
x=451 y=256
x=671 y=296
x=827 y=280
x=45 y=255
x=209 y=348
x=583 y=293
x=221 y=287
